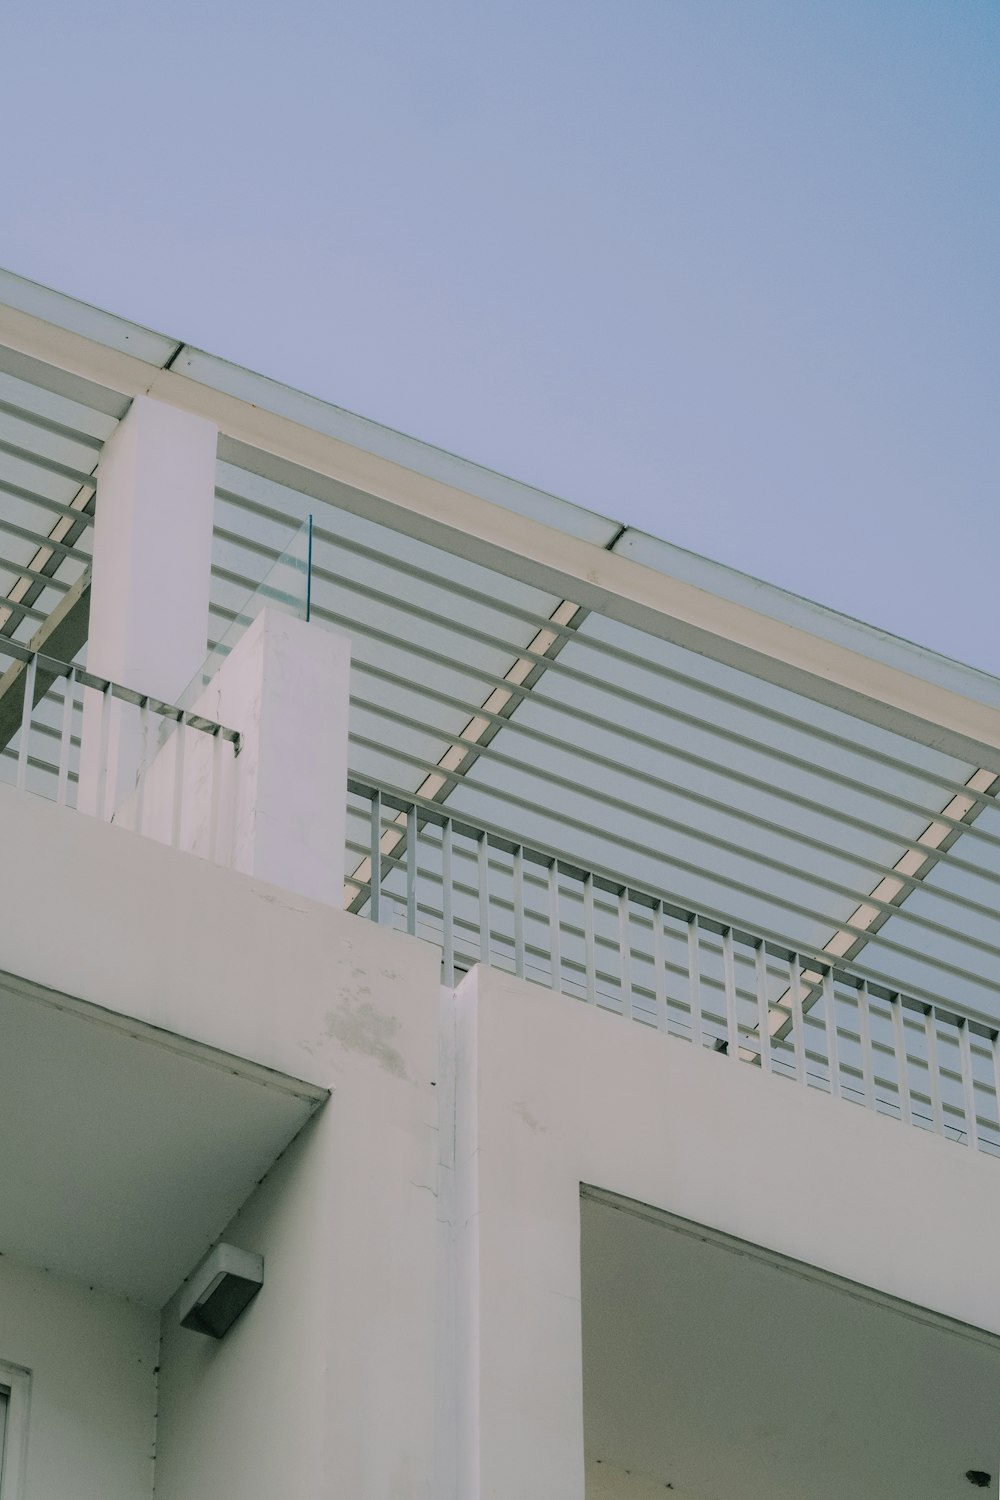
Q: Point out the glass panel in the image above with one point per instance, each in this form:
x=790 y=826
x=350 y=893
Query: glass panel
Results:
x=287 y=586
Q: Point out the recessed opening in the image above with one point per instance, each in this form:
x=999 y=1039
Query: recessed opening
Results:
x=722 y=1373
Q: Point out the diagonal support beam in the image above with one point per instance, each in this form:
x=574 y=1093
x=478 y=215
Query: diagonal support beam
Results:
x=64 y=632
x=464 y=750
x=61 y=636
x=482 y=727
x=891 y=891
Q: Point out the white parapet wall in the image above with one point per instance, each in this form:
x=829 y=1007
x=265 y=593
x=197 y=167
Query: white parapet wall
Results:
x=553 y=1094
x=419 y=1331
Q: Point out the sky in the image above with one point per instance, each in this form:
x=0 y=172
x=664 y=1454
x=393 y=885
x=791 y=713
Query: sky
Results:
x=724 y=270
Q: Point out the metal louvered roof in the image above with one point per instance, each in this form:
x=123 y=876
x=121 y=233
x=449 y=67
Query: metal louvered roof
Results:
x=49 y=448
x=535 y=696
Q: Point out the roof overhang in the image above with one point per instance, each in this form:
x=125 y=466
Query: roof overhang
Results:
x=715 y=1367
x=127 y=1149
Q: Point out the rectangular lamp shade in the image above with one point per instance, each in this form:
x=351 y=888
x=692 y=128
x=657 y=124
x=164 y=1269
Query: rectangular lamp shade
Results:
x=218 y=1291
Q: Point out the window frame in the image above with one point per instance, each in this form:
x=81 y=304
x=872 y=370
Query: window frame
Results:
x=16 y=1382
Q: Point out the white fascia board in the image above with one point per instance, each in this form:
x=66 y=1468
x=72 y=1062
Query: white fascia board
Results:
x=807 y=614
x=308 y=411
x=79 y=317
x=953 y=720
x=385 y=442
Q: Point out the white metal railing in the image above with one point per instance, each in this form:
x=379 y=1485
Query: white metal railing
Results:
x=485 y=897
x=103 y=761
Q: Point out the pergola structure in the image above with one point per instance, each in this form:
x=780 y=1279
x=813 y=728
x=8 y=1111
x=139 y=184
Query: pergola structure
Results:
x=541 y=668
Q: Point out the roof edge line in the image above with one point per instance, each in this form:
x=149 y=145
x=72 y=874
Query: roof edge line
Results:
x=484 y=531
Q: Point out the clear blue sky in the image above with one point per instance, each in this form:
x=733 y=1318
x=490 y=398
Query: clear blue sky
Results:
x=724 y=269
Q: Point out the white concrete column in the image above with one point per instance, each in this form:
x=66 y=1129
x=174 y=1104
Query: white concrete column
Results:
x=519 y=1354
x=153 y=549
x=151 y=570
x=286 y=687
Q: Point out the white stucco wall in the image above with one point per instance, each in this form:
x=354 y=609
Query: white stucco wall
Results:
x=325 y=1386
x=346 y=1376
x=329 y=1377
x=553 y=1093
x=278 y=809
x=248 y=1415
x=92 y=1360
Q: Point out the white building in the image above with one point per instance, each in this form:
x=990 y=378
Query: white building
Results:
x=632 y=1131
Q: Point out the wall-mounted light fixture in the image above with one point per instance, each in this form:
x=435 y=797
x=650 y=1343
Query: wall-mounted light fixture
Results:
x=218 y=1291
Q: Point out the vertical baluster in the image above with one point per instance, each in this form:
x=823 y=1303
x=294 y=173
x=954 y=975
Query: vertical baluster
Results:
x=830 y=1021
x=484 y=899
x=625 y=952
x=375 y=858
x=590 y=958
x=447 y=903
x=902 y=1061
x=66 y=739
x=763 y=1007
x=518 y=877
x=140 y=791
x=555 y=926
x=105 y=802
x=867 y=1061
x=660 y=966
x=968 y=1086
x=933 y=1069
x=732 y=1015
x=180 y=738
x=694 y=980
x=217 y=750
x=798 y=1022
x=412 y=835
x=26 y=712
